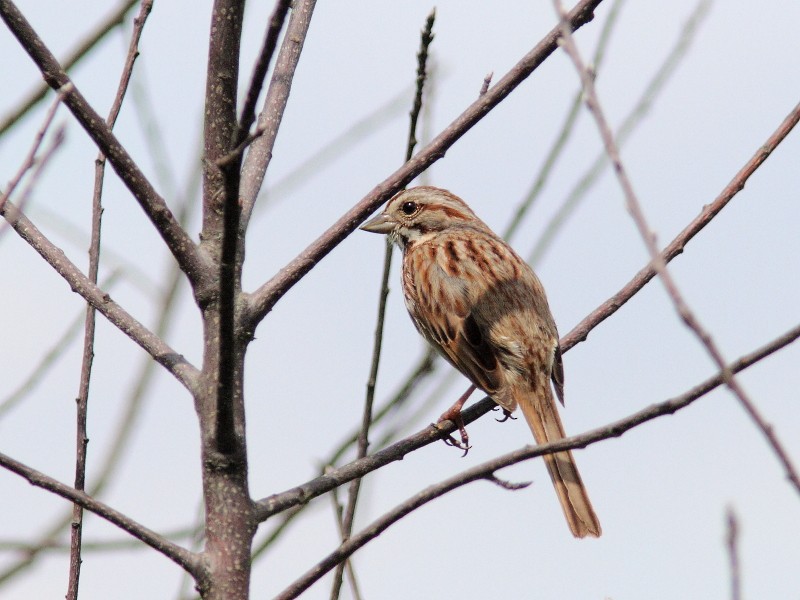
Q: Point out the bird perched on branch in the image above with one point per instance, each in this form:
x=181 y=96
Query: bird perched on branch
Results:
x=483 y=308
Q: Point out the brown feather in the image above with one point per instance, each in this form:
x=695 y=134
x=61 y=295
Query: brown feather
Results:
x=540 y=412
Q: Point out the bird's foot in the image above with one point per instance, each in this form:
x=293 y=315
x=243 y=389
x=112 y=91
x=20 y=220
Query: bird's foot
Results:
x=462 y=431
x=506 y=415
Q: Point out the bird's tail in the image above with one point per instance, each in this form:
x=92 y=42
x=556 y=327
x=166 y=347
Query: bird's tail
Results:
x=541 y=414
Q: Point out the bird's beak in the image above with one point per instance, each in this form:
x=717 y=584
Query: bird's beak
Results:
x=381 y=223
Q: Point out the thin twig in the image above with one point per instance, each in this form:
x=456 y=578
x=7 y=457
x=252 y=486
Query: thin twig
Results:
x=267 y=295
x=259 y=155
x=366 y=419
x=487 y=81
x=130 y=58
x=637 y=114
x=30 y=159
x=346 y=565
x=194 y=263
x=262 y=64
x=90 y=41
x=486 y=470
x=426 y=38
x=82 y=441
x=38 y=166
x=659 y=264
x=82 y=401
x=732 y=542
x=511 y=486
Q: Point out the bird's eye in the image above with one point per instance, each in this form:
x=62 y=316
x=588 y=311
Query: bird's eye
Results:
x=409 y=208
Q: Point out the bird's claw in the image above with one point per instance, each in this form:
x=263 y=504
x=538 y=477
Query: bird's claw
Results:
x=453 y=414
x=506 y=415
x=450 y=440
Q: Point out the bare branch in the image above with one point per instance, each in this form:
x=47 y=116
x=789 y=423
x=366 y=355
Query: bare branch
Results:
x=732 y=540
x=259 y=155
x=220 y=232
x=82 y=441
x=180 y=556
x=263 y=299
x=262 y=64
x=426 y=37
x=192 y=261
x=487 y=469
x=487 y=81
x=659 y=264
x=30 y=159
x=83 y=48
x=242 y=139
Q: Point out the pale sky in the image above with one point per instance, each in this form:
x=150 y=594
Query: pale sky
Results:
x=661 y=491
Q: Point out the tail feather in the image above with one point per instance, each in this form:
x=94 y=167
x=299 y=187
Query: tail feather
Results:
x=542 y=416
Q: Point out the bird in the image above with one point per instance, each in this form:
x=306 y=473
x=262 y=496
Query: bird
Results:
x=485 y=311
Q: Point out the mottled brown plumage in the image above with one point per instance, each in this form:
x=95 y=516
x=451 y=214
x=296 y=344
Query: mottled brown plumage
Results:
x=477 y=302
